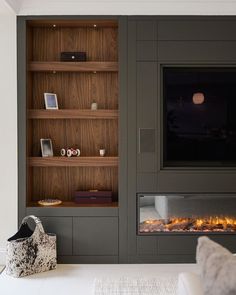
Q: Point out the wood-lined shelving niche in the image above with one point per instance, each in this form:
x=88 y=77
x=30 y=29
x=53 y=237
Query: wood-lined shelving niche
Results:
x=74 y=124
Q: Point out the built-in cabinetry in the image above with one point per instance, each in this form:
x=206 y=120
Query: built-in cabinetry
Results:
x=86 y=232
x=123 y=74
x=153 y=43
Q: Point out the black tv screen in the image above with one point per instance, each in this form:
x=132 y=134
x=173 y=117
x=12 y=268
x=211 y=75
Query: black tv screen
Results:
x=199 y=116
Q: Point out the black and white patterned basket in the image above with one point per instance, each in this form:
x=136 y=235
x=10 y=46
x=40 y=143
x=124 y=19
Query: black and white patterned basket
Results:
x=30 y=252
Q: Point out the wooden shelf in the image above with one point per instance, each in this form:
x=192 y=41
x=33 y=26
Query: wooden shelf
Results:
x=73 y=114
x=73 y=204
x=73 y=161
x=88 y=66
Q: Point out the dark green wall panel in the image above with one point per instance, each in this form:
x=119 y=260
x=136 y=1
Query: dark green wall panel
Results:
x=197 y=51
x=95 y=236
x=146 y=50
x=146 y=116
x=146 y=30
x=62 y=227
x=202 y=30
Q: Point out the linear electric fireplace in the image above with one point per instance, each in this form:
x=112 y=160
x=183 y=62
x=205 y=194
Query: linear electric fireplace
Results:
x=186 y=213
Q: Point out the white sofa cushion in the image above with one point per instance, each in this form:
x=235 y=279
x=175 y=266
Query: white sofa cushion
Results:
x=189 y=284
x=218 y=268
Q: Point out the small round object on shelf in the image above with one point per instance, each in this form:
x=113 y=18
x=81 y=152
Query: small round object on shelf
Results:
x=50 y=202
x=69 y=153
x=63 y=152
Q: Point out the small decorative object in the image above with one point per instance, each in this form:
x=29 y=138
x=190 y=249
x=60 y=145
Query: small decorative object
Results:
x=50 y=101
x=93 y=197
x=30 y=252
x=46 y=147
x=70 y=152
x=49 y=202
x=73 y=56
x=102 y=152
x=63 y=152
x=198 y=98
x=94 y=106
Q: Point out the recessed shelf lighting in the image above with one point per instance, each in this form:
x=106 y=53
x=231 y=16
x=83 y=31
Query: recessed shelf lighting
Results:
x=94 y=25
x=54 y=25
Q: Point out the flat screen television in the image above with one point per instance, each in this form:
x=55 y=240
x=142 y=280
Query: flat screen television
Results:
x=199 y=116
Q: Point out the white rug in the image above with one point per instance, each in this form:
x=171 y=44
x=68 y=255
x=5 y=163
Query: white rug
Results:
x=136 y=286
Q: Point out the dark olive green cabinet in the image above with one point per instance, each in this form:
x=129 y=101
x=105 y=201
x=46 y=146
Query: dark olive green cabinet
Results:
x=62 y=227
x=147 y=44
x=94 y=236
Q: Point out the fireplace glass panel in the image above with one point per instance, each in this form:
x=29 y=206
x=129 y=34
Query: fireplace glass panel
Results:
x=186 y=213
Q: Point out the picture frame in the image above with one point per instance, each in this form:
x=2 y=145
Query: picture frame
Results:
x=46 y=147
x=50 y=100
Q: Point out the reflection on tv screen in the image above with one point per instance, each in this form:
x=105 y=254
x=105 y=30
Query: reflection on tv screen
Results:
x=199 y=116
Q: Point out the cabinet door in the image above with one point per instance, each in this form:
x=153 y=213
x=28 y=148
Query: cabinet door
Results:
x=62 y=227
x=95 y=236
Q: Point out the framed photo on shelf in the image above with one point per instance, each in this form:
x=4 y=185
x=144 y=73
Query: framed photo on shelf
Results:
x=46 y=147
x=50 y=101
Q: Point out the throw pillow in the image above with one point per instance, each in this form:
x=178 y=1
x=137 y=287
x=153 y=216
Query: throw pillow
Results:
x=217 y=266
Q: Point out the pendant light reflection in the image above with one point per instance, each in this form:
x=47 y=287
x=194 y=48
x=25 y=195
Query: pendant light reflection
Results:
x=198 y=98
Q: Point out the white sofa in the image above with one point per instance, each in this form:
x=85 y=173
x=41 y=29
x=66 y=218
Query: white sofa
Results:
x=189 y=284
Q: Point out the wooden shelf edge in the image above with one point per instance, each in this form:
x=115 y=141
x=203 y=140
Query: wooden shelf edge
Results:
x=88 y=66
x=73 y=161
x=69 y=204
x=73 y=114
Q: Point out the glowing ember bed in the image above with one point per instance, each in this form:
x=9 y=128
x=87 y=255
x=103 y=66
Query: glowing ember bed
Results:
x=186 y=213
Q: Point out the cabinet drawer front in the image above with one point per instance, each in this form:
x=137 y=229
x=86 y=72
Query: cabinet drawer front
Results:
x=95 y=236
x=62 y=227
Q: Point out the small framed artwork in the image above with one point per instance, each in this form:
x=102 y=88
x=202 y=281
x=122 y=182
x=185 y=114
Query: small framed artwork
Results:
x=46 y=147
x=50 y=101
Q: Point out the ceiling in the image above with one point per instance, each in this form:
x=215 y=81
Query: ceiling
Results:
x=123 y=7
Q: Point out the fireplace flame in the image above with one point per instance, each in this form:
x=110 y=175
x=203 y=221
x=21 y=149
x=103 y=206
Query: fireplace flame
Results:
x=199 y=224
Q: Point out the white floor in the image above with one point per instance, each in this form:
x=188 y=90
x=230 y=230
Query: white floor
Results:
x=79 y=279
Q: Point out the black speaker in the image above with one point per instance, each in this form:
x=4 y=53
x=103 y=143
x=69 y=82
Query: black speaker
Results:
x=146 y=140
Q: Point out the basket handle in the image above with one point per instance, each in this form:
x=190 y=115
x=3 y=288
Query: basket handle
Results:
x=37 y=221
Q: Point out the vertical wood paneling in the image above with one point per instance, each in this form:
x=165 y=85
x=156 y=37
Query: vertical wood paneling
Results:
x=50 y=183
x=75 y=90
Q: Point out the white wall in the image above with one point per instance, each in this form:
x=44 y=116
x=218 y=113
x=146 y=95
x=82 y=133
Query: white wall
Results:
x=8 y=126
